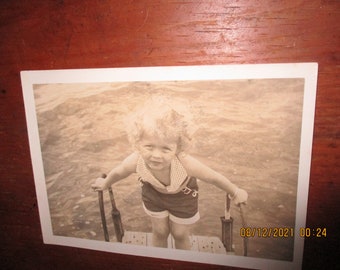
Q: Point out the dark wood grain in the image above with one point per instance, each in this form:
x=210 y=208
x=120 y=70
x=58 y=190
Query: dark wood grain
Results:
x=106 y=33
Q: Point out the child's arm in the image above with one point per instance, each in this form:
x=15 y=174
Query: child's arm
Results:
x=197 y=169
x=123 y=170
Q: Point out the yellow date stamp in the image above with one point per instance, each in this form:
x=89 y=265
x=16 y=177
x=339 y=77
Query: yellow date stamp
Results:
x=282 y=232
x=267 y=232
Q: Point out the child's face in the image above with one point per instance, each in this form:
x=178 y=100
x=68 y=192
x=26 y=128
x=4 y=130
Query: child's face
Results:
x=157 y=152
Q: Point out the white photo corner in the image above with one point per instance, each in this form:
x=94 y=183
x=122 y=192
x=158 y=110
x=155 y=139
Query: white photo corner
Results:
x=252 y=124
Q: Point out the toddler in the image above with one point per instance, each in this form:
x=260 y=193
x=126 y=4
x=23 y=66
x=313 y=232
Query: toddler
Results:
x=160 y=136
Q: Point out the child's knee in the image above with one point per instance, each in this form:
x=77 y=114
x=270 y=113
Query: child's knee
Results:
x=160 y=229
x=159 y=236
x=179 y=233
x=161 y=232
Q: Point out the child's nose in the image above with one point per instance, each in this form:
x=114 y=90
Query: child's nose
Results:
x=156 y=153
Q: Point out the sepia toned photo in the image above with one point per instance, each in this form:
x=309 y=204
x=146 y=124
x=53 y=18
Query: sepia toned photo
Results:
x=206 y=164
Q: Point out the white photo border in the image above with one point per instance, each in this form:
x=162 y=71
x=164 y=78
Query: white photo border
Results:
x=307 y=71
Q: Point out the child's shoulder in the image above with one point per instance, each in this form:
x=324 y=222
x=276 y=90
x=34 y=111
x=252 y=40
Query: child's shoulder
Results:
x=188 y=161
x=130 y=162
x=183 y=156
x=197 y=169
x=132 y=158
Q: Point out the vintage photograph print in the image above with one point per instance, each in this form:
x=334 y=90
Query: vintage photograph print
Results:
x=208 y=164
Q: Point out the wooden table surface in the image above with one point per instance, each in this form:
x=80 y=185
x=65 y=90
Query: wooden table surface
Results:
x=38 y=35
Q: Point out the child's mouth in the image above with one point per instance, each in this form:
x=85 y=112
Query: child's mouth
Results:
x=155 y=163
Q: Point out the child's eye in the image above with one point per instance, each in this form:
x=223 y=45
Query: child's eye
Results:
x=166 y=150
x=148 y=147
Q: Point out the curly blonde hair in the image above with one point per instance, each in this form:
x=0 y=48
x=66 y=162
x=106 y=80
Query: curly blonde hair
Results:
x=158 y=117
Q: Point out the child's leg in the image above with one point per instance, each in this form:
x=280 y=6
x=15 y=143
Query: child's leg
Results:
x=160 y=231
x=181 y=233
